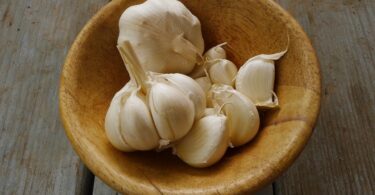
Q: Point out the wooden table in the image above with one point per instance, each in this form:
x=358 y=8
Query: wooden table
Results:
x=36 y=157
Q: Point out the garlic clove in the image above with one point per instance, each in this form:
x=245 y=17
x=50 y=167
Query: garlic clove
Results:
x=137 y=126
x=243 y=117
x=256 y=78
x=112 y=119
x=166 y=36
x=222 y=72
x=216 y=52
x=206 y=143
x=190 y=88
x=204 y=83
x=172 y=111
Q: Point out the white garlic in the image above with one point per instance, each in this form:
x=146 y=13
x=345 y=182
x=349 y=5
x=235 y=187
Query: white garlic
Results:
x=206 y=143
x=192 y=89
x=256 y=78
x=127 y=114
x=166 y=36
x=243 y=117
x=215 y=53
x=222 y=72
x=172 y=109
x=204 y=83
x=112 y=120
x=137 y=126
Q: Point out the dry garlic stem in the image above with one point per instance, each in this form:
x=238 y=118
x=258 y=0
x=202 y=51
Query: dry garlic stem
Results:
x=243 y=117
x=256 y=78
x=172 y=108
x=165 y=35
x=206 y=143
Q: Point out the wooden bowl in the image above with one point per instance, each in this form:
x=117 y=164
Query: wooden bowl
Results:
x=94 y=71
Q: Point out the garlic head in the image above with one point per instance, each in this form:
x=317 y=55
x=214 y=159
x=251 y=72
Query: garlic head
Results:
x=166 y=36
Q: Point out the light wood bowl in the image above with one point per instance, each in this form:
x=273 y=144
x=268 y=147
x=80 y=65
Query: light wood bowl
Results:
x=94 y=71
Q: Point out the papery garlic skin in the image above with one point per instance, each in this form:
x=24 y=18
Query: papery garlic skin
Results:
x=243 y=116
x=189 y=87
x=172 y=111
x=256 y=78
x=222 y=72
x=204 y=83
x=206 y=143
x=165 y=35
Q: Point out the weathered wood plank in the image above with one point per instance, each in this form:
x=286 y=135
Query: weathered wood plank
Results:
x=36 y=157
x=340 y=158
x=101 y=188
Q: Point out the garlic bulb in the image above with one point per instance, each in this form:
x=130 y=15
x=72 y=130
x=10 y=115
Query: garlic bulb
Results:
x=127 y=114
x=243 y=117
x=172 y=109
x=222 y=72
x=204 y=83
x=166 y=36
x=206 y=143
x=256 y=78
x=215 y=53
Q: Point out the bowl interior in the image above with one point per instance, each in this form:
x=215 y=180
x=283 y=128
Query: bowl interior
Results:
x=94 y=72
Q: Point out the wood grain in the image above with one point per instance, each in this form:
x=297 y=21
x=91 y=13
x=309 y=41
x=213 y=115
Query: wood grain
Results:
x=35 y=156
x=100 y=188
x=340 y=158
x=94 y=71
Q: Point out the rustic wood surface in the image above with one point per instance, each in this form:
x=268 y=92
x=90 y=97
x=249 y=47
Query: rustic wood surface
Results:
x=100 y=188
x=35 y=155
x=340 y=157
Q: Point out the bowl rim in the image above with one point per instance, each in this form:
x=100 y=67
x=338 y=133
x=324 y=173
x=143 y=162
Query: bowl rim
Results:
x=245 y=187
